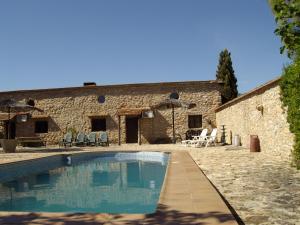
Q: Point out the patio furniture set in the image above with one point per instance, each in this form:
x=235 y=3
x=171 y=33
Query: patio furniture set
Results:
x=202 y=140
x=82 y=139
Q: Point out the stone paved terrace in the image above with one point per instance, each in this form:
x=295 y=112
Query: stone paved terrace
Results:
x=263 y=189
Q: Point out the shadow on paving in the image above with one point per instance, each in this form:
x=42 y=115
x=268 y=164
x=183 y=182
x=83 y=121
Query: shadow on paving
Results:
x=168 y=217
x=162 y=216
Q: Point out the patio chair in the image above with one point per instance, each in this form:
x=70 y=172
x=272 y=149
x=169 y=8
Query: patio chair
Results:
x=92 y=139
x=67 y=140
x=211 y=139
x=80 y=139
x=103 y=139
x=195 y=139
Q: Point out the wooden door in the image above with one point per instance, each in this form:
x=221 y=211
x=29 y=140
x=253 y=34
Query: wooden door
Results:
x=132 y=128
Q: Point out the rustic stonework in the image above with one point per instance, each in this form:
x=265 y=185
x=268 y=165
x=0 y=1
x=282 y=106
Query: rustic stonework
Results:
x=262 y=188
x=258 y=112
x=71 y=107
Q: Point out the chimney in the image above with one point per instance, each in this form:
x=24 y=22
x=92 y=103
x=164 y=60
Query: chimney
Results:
x=88 y=84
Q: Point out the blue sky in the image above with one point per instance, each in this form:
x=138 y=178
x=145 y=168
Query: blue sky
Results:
x=61 y=43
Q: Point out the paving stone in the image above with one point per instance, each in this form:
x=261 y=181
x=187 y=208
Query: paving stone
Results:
x=262 y=188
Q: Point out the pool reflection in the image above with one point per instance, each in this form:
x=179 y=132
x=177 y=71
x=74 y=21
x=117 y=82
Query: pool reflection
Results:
x=99 y=185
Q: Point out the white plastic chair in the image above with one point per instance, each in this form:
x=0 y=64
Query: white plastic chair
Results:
x=195 y=138
x=209 y=140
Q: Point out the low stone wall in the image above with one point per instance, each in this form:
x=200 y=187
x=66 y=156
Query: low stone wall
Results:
x=258 y=112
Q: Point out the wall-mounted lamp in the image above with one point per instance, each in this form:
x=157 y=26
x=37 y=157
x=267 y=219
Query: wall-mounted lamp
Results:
x=22 y=118
x=148 y=114
x=260 y=108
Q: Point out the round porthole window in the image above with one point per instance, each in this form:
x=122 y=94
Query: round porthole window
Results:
x=101 y=99
x=30 y=102
x=174 y=95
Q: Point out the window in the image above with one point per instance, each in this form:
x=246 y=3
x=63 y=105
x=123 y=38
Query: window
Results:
x=195 y=121
x=31 y=102
x=101 y=99
x=174 y=95
x=41 y=127
x=99 y=124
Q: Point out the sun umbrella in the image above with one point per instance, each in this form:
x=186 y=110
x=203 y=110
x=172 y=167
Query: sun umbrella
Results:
x=8 y=105
x=174 y=103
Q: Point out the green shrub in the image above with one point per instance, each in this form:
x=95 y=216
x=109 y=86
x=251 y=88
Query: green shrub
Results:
x=290 y=95
x=287 y=16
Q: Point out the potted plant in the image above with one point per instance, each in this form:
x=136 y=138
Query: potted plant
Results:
x=9 y=145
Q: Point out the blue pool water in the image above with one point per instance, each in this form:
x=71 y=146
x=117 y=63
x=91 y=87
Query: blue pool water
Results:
x=107 y=183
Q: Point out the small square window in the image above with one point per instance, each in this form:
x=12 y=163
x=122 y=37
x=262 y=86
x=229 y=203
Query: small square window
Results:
x=98 y=124
x=41 y=127
x=195 y=121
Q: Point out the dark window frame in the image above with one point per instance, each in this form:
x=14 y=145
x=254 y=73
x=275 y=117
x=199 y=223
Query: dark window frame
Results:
x=194 y=121
x=41 y=126
x=98 y=127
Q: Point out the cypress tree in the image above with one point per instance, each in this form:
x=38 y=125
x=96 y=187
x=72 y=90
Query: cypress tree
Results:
x=225 y=74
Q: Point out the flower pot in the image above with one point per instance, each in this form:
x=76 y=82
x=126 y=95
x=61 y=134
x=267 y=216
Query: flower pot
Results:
x=9 y=145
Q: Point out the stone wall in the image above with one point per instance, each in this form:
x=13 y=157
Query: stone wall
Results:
x=258 y=112
x=71 y=107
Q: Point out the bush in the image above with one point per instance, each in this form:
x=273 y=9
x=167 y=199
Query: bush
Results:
x=290 y=94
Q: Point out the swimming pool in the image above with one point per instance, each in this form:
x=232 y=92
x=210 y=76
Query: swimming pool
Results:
x=102 y=183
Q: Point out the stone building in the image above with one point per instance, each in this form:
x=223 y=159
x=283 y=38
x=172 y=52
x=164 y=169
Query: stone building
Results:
x=258 y=112
x=125 y=111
